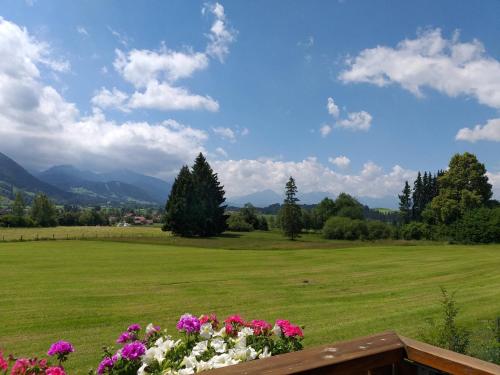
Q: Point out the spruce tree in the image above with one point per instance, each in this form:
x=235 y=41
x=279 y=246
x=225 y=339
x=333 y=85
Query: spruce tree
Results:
x=179 y=214
x=208 y=199
x=405 y=203
x=417 y=196
x=291 y=220
x=18 y=206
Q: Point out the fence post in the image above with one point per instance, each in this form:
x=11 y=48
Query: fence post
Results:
x=21 y=237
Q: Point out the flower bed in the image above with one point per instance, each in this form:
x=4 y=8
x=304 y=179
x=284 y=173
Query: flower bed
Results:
x=202 y=344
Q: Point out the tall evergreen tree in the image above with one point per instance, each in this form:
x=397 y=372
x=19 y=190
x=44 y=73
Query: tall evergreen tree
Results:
x=405 y=203
x=208 y=199
x=18 y=206
x=195 y=204
x=291 y=214
x=417 y=197
x=179 y=213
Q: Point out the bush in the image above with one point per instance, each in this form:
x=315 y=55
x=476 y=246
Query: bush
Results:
x=343 y=228
x=481 y=226
x=416 y=231
x=237 y=223
x=378 y=230
x=12 y=221
x=448 y=334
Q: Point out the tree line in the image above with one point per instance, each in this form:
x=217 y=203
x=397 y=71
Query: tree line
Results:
x=455 y=204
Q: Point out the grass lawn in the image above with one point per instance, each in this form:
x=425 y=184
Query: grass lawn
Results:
x=87 y=292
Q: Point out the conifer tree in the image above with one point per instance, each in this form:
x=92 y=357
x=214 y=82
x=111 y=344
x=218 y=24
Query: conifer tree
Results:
x=43 y=211
x=417 y=197
x=179 y=214
x=405 y=203
x=291 y=214
x=18 y=206
x=208 y=199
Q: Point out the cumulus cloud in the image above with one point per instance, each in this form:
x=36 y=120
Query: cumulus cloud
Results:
x=332 y=108
x=221 y=152
x=230 y=134
x=356 y=121
x=155 y=74
x=340 y=161
x=325 y=129
x=246 y=176
x=449 y=66
x=494 y=179
x=115 y=98
x=35 y=117
x=220 y=36
x=488 y=132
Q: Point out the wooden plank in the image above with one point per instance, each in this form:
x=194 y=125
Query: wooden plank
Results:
x=349 y=357
x=446 y=360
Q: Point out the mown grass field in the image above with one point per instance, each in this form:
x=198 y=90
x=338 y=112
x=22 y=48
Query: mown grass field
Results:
x=88 y=291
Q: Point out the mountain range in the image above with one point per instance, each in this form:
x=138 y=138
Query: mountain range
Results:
x=67 y=184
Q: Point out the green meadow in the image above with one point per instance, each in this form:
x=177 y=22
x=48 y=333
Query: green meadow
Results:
x=88 y=291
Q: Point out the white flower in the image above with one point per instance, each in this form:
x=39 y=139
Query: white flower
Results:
x=219 y=345
x=243 y=354
x=222 y=360
x=265 y=354
x=142 y=370
x=203 y=366
x=150 y=329
x=220 y=333
x=240 y=342
x=206 y=330
x=186 y=371
x=199 y=348
x=277 y=330
x=247 y=331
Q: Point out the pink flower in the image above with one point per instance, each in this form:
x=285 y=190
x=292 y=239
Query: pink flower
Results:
x=292 y=331
x=232 y=324
x=20 y=367
x=126 y=337
x=211 y=318
x=134 y=328
x=3 y=363
x=260 y=327
x=54 y=371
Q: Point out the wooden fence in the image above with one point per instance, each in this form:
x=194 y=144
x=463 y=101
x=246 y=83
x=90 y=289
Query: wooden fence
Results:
x=382 y=354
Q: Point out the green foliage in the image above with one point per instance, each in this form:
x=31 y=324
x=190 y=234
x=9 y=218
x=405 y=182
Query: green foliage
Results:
x=19 y=205
x=12 y=221
x=237 y=223
x=263 y=224
x=405 y=203
x=195 y=204
x=344 y=228
x=249 y=214
x=347 y=206
x=290 y=213
x=448 y=334
x=416 y=231
x=485 y=342
x=463 y=187
x=322 y=212
x=481 y=225
x=92 y=218
x=43 y=212
x=378 y=230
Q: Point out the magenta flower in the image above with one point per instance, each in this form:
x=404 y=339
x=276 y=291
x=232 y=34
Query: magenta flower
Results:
x=134 y=328
x=133 y=351
x=61 y=349
x=260 y=327
x=189 y=324
x=3 y=363
x=105 y=365
x=126 y=337
x=54 y=371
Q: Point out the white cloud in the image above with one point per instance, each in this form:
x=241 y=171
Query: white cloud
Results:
x=225 y=133
x=104 y=70
x=325 y=130
x=221 y=152
x=82 y=31
x=494 y=179
x=220 y=36
x=241 y=177
x=446 y=65
x=165 y=97
x=35 y=117
x=245 y=131
x=488 y=132
x=307 y=43
x=140 y=67
x=340 y=161
x=356 y=121
x=333 y=109
x=105 y=98
x=123 y=39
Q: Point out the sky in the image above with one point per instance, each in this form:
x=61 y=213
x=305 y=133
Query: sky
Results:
x=351 y=96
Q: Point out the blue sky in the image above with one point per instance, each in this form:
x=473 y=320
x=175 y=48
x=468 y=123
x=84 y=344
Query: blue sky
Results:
x=248 y=83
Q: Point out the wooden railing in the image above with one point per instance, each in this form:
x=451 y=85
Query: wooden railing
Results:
x=382 y=354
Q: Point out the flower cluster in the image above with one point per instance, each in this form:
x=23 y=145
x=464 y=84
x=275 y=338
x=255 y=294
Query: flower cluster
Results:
x=24 y=366
x=202 y=345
